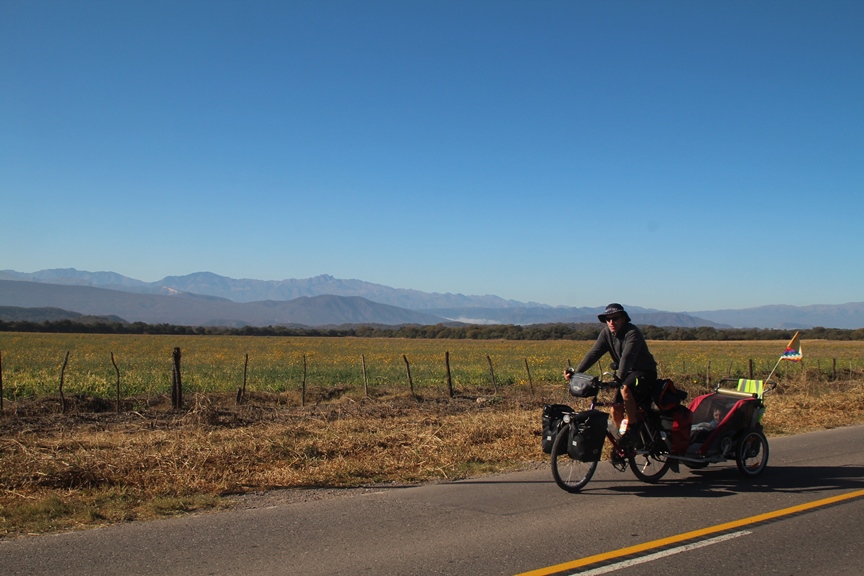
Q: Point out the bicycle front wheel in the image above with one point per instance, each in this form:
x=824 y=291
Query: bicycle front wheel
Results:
x=570 y=475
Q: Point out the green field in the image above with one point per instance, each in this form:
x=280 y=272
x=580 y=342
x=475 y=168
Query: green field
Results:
x=31 y=363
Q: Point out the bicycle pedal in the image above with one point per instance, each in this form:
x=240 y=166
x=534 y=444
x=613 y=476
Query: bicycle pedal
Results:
x=619 y=462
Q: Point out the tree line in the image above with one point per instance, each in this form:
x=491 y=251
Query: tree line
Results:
x=553 y=331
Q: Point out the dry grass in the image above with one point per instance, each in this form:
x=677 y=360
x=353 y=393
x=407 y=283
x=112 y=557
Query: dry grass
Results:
x=86 y=469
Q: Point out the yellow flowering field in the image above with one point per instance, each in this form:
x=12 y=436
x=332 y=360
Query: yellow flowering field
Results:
x=31 y=362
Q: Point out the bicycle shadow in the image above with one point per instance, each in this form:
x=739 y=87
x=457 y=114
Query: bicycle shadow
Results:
x=723 y=482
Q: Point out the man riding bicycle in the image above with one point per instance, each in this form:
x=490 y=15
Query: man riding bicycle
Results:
x=636 y=368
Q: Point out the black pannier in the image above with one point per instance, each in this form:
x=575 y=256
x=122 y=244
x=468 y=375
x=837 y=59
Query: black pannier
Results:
x=587 y=434
x=553 y=418
x=583 y=386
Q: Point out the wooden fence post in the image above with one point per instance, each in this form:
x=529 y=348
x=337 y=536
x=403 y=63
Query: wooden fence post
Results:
x=833 y=369
x=365 y=379
x=116 y=369
x=492 y=374
x=1 y=383
x=750 y=362
x=177 y=381
x=303 y=390
x=449 y=378
x=62 y=375
x=708 y=374
x=241 y=393
x=410 y=381
x=530 y=382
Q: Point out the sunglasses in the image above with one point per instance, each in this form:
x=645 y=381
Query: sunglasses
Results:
x=615 y=318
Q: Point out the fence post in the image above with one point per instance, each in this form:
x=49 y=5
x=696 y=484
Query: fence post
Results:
x=751 y=368
x=1 y=383
x=116 y=369
x=241 y=393
x=492 y=374
x=530 y=382
x=303 y=390
x=177 y=381
x=365 y=379
x=62 y=375
x=708 y=374
x=410 y=381
x=833 y=369
x=449 y=378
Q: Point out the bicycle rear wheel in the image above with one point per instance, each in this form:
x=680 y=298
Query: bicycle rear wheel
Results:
x=570 y=475
x=650 y=463
x=649 y=468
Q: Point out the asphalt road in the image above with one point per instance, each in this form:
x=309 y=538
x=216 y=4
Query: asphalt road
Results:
x=511 y=524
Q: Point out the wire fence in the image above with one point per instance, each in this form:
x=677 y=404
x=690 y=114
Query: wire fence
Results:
x=125 y=372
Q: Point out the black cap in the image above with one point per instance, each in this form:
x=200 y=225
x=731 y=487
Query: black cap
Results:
x=612 y=309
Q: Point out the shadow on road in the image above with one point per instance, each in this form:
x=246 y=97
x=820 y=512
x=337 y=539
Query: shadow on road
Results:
x=721 y=482
x=717 y=482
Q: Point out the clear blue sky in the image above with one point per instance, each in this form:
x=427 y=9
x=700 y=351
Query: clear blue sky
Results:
x=676 y=155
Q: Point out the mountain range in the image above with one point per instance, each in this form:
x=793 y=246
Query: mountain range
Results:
x=207 y=299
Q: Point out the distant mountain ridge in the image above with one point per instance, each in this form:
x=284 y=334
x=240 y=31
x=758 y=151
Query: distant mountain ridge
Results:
x=247 y=290
x=204 y=298
x=196 y=310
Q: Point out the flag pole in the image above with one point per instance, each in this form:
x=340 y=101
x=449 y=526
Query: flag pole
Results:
x=773 y=369
x=783 y=356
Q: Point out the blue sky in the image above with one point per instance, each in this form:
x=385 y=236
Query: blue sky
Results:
x=675 y=155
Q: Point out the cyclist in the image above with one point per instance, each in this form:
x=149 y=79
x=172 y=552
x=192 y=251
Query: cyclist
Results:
x=636 y=368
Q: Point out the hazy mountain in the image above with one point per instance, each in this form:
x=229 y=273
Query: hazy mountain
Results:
x=848 y=316
x=566 y=315
x=18 y=314
x=246 y=290
x=215 y=299
x=197 y=310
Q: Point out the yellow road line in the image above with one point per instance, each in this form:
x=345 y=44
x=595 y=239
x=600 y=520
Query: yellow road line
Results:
x=638 y=548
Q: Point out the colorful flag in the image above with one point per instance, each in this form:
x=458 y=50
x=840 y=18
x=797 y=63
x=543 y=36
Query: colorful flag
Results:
x=793 y=350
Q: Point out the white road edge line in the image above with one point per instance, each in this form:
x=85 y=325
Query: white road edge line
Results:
x=662 y=554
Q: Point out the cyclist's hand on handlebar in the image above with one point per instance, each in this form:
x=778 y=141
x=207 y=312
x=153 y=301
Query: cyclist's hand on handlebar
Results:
x=613 y=383
x=569 y=372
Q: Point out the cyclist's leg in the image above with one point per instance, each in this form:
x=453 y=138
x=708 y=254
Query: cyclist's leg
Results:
x=618 y=410
x=635 y=389
x=629 y=393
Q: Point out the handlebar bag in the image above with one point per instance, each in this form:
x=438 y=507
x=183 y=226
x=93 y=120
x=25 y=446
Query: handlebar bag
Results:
x=583 y=386
x=553 y=418
x=587 y=434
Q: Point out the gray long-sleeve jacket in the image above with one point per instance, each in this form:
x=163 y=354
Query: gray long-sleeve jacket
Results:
x=627 y=348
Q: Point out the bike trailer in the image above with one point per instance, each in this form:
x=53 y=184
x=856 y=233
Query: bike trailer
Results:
x=719 y=418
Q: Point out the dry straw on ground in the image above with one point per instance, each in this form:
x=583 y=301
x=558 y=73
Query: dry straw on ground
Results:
x=91 y=468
